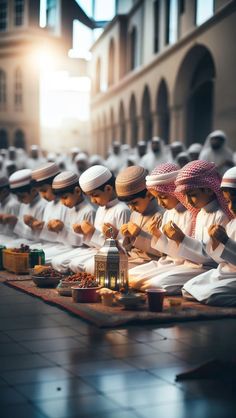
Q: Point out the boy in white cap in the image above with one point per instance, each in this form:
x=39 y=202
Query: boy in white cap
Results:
x=131 y=188
x=218 y=286
x=66 y=187
x=99 y=184
x=9 y=209
x=31 y=208
x=51 y=228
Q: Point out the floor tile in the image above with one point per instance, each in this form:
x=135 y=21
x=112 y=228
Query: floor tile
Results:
x=148 y=396
x=41 y=334
x=124 y=381
x=99 y=367
x=42 y=346
x=55 y=390
x=76 y=355
x=9 y=396
x=35 y=375
x=11 y=348
x=77 y=406
x=189 y=409
x=154 y=360
x=23 y=361
x=21 y=411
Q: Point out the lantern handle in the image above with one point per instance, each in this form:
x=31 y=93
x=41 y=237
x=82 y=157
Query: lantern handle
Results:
x=110 y=229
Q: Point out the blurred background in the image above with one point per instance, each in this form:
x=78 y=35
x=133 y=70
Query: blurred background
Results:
x=86 y=73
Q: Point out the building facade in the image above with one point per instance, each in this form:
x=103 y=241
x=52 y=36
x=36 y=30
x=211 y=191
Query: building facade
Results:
x=22 y=42
x=165 y=68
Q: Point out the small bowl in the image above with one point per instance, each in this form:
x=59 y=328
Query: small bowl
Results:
x=85 y=294
x=46 y=281
x=131 y=300
x=65 y=288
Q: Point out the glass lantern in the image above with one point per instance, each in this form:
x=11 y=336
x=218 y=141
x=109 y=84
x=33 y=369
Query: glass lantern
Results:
x=111 y=266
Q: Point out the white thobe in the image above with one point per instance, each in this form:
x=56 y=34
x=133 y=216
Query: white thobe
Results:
x=8 y=206
x=73 y=242
x=193 y=251
x=139 y=249
x=139 y=275
x=217 y=286
x=116 y=213
x=23 y=231
x=152 y=160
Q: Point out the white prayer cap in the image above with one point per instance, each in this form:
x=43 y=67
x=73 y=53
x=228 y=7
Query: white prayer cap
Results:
x=94 y=177
x=81 y=157
x=34 y=147
x=217 y=133
x=46 y=171
x=4 y=182
x=20 y=178
x=195 y=147
x=229 y=178
x=64 y=180
x=74 y=150
x=163 y=178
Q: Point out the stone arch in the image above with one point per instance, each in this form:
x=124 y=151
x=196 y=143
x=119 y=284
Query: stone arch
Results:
x=162 y=108
x=19 y=139
x=122 y=124
x=146 y=114
x=4 y=141
x=133 y=121
x=194 y=93
x=111 y=63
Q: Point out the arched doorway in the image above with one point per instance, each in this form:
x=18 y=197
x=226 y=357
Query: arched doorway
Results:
x=146 y=115
x=112 y=126
x=194 y=93
x=19 y=139
x=3 y=139
x=163 y=111
x=122 y=124
x=133 y=121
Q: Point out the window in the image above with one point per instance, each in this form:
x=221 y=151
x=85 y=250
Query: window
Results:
x=19 y=12
x=204 y=10
x=51 y=13
x=156 y=5
x=133 y=48
x=172 y=17
x=3 y=90
x=18 y=89
x=3 y=15
x=111 y=63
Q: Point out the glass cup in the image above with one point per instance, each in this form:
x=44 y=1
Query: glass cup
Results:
x=155 y=299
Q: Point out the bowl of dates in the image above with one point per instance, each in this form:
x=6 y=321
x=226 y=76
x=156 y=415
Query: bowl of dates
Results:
x=64 y=288
x=44 y=276
x=85 y=290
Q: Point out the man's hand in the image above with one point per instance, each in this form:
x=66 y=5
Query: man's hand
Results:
x=55 y=225
x=87 y=228
x=173 y=232
x=153 y=228
x=28 y=220
x=124 y=230
x=106 y=230
x=77 y=228
x=133 y=229
x=37 y=225
x=8 y=219
x=217 y=234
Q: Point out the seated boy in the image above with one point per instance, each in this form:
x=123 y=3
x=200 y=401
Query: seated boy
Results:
x=31 y=208
x=9 y=209
x=99 y=184
x=66 y=187
x=131 y=188
x=218 y=286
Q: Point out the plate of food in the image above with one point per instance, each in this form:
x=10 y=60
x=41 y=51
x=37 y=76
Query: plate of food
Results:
x=131 y=300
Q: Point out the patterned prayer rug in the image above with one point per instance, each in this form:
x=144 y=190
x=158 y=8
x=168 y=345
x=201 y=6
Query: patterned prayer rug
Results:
x=116 y=315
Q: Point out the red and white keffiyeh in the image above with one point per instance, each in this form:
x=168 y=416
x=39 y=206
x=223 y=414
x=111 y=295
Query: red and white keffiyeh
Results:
x=201 y=174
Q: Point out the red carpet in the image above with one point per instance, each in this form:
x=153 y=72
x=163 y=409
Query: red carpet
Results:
x=114 y=316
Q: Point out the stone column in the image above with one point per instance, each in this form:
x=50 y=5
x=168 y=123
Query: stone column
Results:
x=177 y=123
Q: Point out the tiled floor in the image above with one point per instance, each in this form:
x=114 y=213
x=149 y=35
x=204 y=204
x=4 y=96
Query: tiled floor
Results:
x=57 y=366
